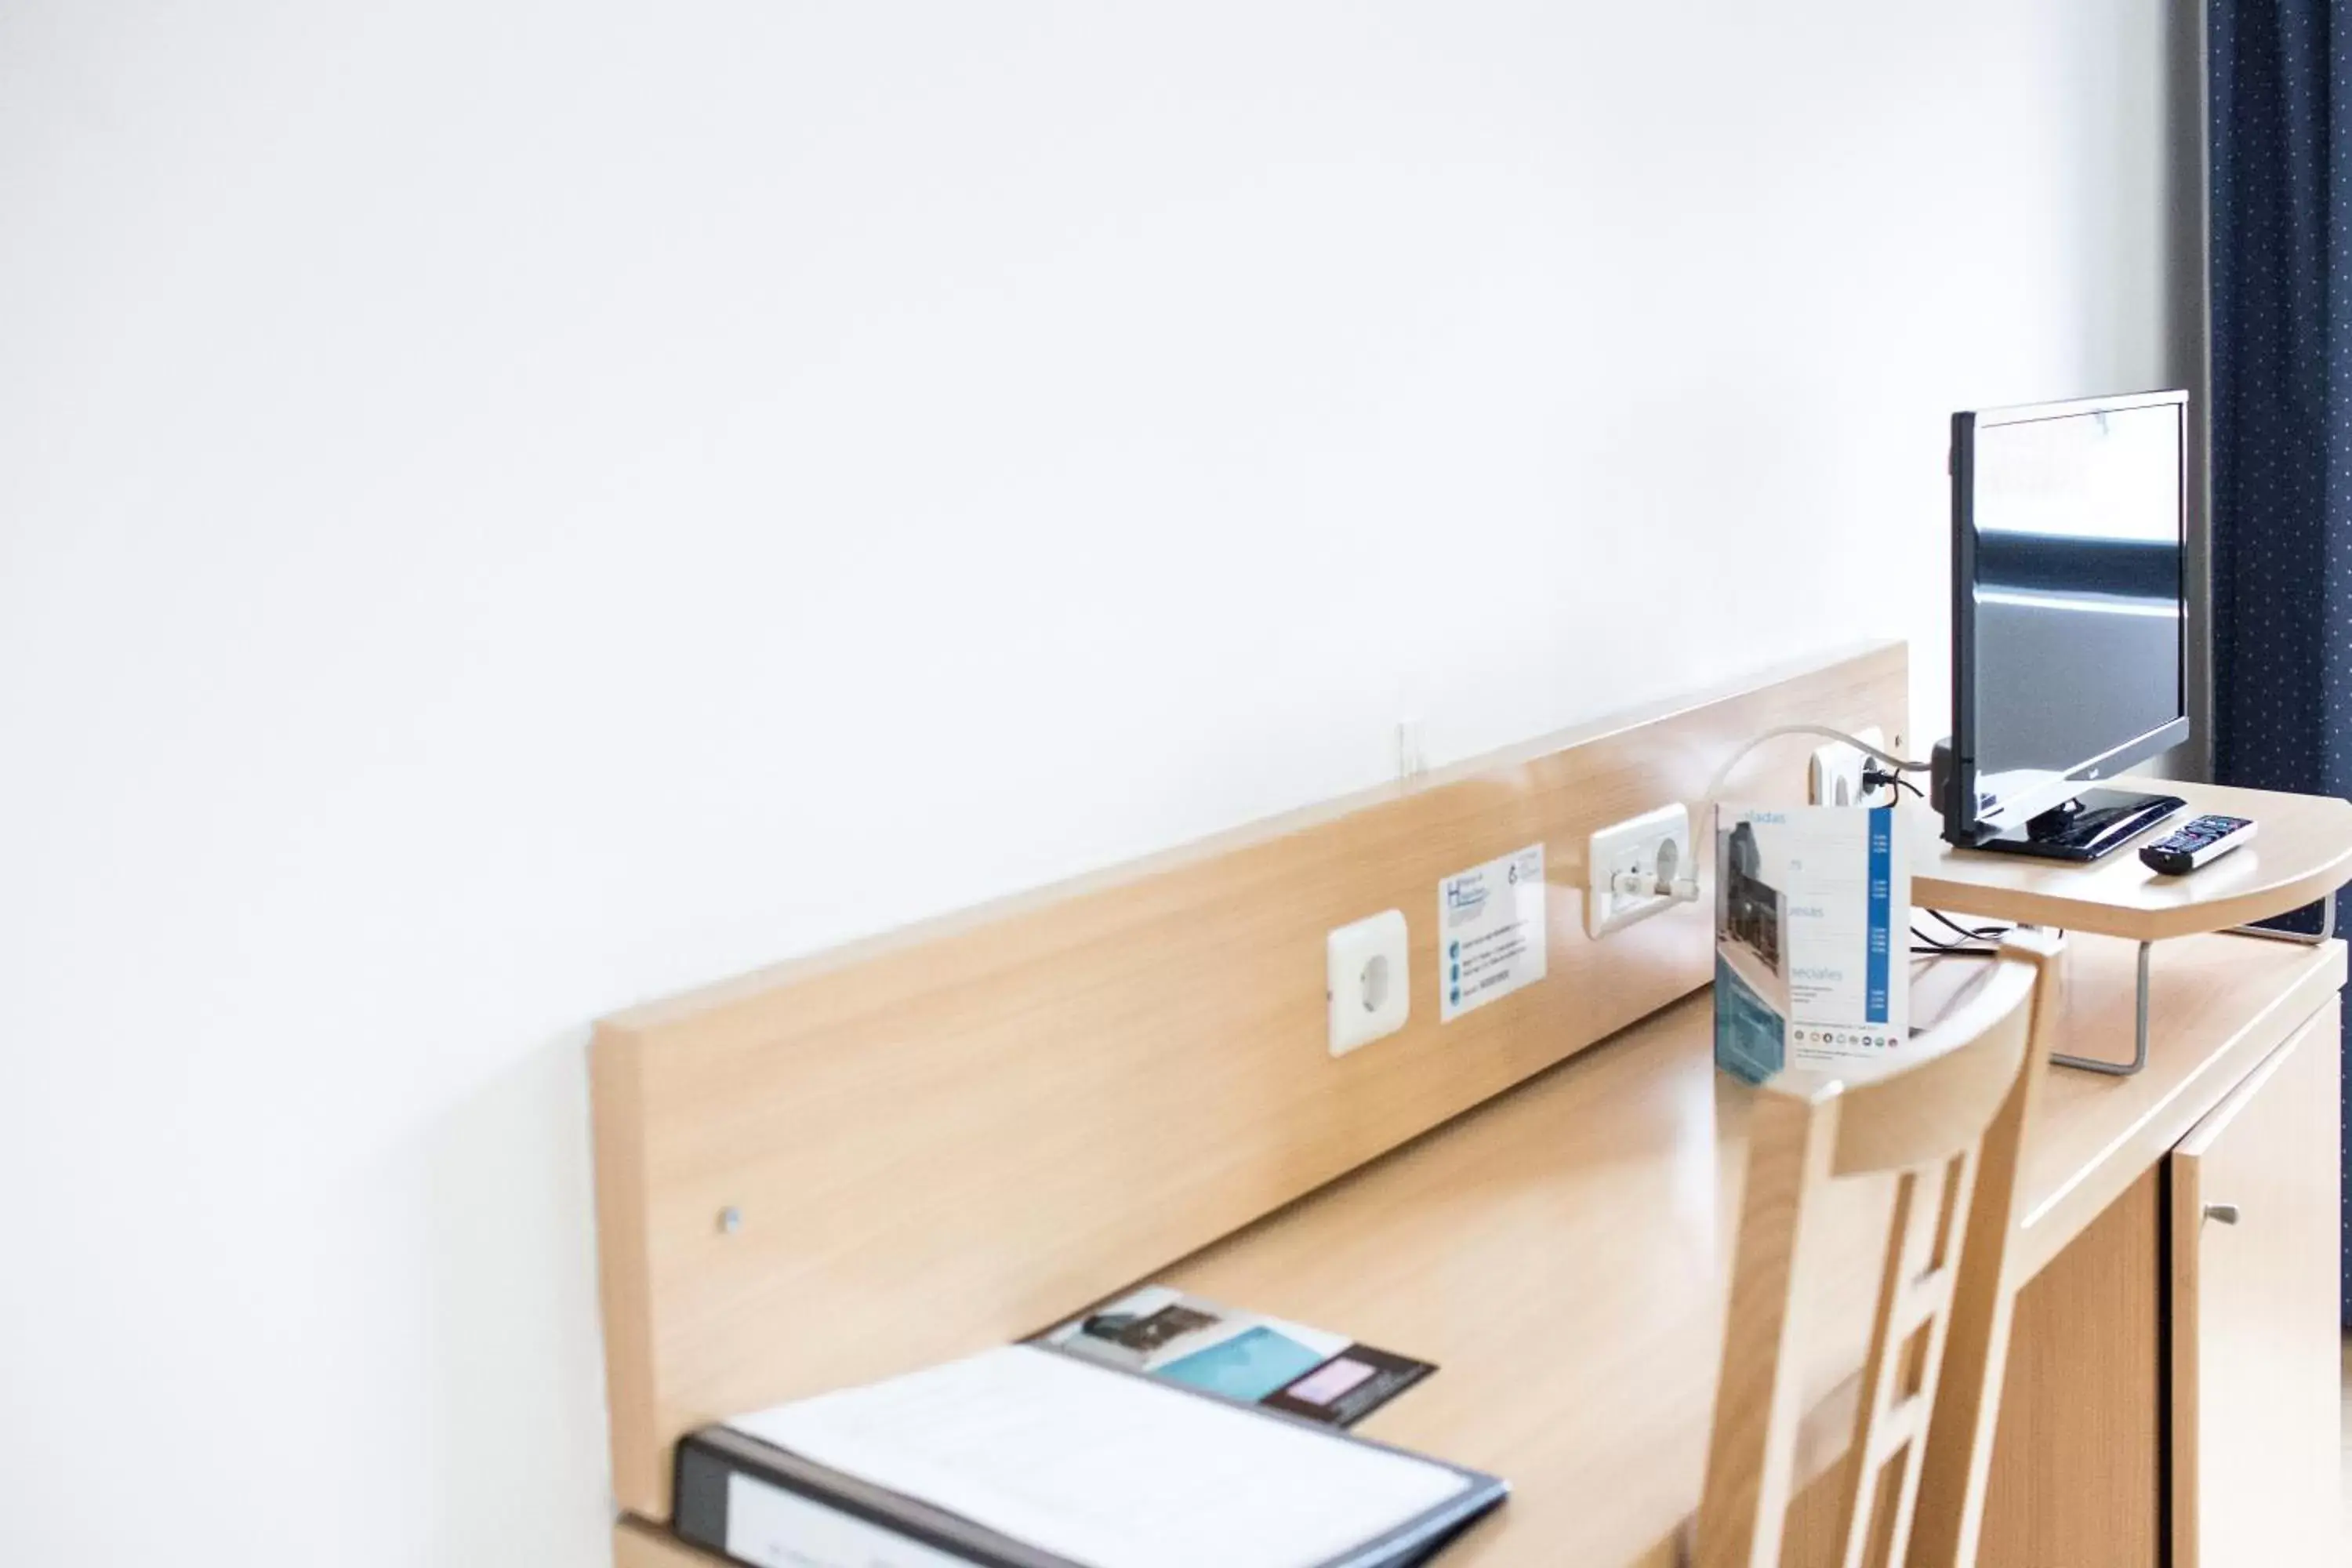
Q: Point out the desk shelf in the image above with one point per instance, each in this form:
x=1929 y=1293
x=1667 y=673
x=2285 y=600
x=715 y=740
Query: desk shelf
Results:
x=2300 y=853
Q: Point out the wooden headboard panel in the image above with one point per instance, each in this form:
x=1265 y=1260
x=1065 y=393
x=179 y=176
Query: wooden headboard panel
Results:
x=952 y=1136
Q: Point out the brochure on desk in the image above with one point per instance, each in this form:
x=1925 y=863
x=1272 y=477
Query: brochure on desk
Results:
x=1246 y=1356
x=1812 y=916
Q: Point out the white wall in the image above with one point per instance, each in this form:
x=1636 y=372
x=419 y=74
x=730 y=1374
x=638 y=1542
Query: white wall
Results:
x=509 y=508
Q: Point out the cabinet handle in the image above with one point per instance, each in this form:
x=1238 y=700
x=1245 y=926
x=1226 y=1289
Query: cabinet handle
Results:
x=2226 y=1213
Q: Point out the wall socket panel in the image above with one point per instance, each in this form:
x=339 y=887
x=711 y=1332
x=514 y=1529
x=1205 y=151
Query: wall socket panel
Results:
x=1367 y=983
x=1833 y=775
x=1654 y=846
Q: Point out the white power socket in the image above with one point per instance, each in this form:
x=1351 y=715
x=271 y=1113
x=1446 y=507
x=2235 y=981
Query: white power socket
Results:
x=1367 y=985
x=1637 y=869
x=1833 y=776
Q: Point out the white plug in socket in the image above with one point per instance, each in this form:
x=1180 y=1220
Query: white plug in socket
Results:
x=1833 y=777
x=1366 y=980
x=1637 y=869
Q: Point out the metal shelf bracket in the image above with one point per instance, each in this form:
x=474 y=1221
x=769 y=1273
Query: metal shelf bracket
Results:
x=2139 y=1019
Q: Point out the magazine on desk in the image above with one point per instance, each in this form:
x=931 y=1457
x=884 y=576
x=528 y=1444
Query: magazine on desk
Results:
x=1158 y=1431
x=1812 y=916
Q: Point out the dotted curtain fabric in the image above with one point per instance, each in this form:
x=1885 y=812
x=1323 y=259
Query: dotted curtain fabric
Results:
x=2280 y=134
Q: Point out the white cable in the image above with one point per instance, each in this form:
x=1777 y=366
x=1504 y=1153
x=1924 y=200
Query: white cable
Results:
x=1684 y=888
x=1723 y=773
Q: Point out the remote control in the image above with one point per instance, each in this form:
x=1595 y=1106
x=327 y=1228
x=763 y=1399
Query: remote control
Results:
x=2201 y=842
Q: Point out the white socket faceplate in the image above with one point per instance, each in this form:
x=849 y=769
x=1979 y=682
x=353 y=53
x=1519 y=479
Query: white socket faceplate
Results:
x=1833 y=776
x=1652 y=851
x=1367 y=980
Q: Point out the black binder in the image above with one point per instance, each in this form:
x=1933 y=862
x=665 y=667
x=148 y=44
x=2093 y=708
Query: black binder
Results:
x=713 y=1462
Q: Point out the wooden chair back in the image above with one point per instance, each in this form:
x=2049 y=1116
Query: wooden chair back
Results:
x=1949 y=1123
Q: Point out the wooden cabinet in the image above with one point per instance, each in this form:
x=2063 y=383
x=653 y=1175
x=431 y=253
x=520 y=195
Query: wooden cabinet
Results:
x=2077 y=1477
x=2241 y=1310
x=2254 y=1336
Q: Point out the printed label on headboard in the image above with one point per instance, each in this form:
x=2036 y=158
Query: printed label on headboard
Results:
x=1490 y=931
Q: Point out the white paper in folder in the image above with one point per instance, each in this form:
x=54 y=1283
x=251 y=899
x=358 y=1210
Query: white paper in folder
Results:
x=1102 y=1468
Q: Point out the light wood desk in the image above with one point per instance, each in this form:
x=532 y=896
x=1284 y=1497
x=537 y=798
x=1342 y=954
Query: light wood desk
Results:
x=1560 y=1251
x=914 y=1149
x=1561 y=1254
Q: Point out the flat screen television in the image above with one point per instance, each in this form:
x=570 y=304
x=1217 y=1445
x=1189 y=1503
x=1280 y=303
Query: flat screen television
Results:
x=2069 y=619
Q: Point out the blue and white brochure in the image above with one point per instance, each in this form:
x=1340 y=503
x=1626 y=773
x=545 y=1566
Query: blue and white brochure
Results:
x=1813 y=910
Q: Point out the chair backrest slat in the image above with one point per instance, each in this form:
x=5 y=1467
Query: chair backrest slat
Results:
x=1949 y=1123
x=1907 y=1116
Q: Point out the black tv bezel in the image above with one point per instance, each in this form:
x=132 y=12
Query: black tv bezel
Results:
x=1962 y=823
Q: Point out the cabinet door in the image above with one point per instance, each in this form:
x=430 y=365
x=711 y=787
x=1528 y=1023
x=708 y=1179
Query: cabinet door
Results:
x=2254 y=1338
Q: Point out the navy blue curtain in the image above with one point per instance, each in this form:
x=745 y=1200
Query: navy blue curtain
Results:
x=2280 y=133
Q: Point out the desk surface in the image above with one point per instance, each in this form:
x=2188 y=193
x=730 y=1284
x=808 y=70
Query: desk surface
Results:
x=1559 y=1252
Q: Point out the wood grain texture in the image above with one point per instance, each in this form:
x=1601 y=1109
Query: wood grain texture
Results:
x=1813 y=1535
x=639 y=1545
x=2210 y=1023
x=953 y=1136
x=1758 y=1392
x=2077 y=1462
x=1924 y=1109
x=1956 y=1465
x=1926 y=1122
x=2302 y=850
x=1562 y=1252
x=2254 y=1334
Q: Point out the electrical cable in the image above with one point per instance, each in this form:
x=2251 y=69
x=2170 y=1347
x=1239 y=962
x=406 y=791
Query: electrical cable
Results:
x=1723 y=773
x=1983 y=942
x=1922 y=942
x=1973 y=939
x=1979 y=933
x=1684 y=888
x=1873 y=775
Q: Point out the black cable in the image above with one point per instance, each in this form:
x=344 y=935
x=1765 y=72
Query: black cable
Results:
x=1873 y=775
x=1922 y=942
x=1979 y=933
x=1973 y=939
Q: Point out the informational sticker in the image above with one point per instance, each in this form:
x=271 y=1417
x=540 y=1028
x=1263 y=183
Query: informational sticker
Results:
x=1490 y=931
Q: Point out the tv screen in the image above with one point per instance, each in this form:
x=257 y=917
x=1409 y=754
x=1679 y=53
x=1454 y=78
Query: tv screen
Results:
x=2070 y=603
